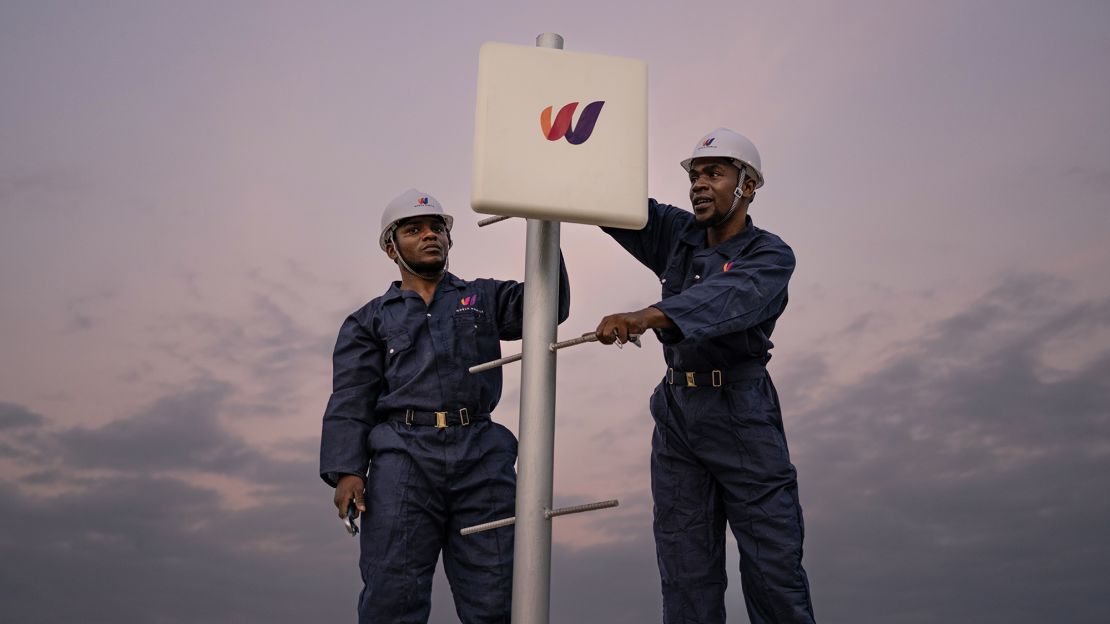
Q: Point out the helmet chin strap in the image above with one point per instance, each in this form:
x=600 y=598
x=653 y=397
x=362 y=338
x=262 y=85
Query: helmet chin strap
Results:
x=737 y=195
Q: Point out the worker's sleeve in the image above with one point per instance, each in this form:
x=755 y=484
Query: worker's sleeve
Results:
x=751 y=292
x=357 y=366
x=652 y=244
x=510 y=303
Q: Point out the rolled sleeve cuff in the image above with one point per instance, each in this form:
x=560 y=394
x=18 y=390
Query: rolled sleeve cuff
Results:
x=332 y=478
x=675 y=334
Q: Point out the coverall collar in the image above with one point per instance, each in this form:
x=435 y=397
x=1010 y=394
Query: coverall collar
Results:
x=697 y=238
x=449 y=280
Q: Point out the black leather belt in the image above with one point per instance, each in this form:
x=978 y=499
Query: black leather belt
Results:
x=717 y=377
x=439 y=420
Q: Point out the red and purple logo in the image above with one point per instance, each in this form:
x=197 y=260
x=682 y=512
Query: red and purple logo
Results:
x=728 y=265
x=469 y=301
x=708 y=142
x=561 y=127
x=423 y=201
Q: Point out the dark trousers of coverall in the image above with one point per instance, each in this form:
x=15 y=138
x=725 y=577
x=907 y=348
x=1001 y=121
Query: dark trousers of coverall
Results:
x=720 y=454
x=424 y=485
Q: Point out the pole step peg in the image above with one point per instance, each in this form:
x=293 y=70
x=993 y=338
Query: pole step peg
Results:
x=547 y=513
x=573 y=509
x=555 y=346
x=492 y=220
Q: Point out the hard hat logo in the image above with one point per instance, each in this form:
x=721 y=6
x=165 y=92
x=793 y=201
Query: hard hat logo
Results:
x=553 y=131
x=708 y=142
x=423 y=201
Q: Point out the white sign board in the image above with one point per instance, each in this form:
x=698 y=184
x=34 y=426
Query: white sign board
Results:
x=560 y=136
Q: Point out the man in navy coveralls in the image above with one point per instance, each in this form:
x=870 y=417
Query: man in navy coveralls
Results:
x=718 y=451
x=407 y=435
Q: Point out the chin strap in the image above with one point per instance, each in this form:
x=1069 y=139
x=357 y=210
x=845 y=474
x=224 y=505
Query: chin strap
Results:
x=737 y=195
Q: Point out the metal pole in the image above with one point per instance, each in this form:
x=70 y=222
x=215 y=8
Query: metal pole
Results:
x=532 y=559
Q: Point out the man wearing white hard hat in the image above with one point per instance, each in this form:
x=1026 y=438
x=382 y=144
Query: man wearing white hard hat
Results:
x=719 y=451
x=407 y=436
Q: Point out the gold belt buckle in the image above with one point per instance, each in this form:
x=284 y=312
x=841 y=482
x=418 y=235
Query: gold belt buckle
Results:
x=441 y=420
x=690 y=380
x=464 y=417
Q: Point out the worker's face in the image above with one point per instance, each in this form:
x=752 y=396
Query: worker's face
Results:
x=423 y=242
x=712 y=183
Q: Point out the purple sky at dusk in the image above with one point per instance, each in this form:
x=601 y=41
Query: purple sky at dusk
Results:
x=190 y=195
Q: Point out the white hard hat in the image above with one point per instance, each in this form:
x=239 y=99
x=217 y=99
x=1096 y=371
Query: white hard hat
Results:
x=724 y=143
x=411 y=203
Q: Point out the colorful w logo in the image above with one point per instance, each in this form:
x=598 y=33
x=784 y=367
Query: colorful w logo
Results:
x=423 y=201
x=561 y=127
x=708 y=142
x=466 y=301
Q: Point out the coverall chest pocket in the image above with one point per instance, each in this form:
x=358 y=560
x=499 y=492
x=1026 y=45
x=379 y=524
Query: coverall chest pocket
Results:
x=672 y=277
x=474 y=333
x=399 y=359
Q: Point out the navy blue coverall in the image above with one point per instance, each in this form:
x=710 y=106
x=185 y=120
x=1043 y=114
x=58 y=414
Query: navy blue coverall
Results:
x=719 y=450
x=424 y=483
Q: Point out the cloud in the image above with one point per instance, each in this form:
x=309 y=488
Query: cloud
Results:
x=963 y=480
x=39 y=190
x=180 y=431
x=20 y=437
x=14 y=416
x=960 y=482
x=129 y=543
x=159 y=550
x=266 y=339
x=1095 y=178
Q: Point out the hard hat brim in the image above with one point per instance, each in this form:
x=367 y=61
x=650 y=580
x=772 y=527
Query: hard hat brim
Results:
x=687 y=163
x=448 y=220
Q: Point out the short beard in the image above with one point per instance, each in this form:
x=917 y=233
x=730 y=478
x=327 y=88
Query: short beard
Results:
x=711 y=222
x=428 y=268
x=718 y=219
x=425 y=269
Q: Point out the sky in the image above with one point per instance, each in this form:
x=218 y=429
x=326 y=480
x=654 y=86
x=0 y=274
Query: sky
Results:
x=189 y=203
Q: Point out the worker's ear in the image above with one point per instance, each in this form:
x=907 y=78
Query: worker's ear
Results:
x=391 y=251
x=748 y=187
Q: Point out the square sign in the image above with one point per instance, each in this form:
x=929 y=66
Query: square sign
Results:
x=560 y=136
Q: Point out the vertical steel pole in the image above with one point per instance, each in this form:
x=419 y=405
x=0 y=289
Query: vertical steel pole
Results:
x=532 y=560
